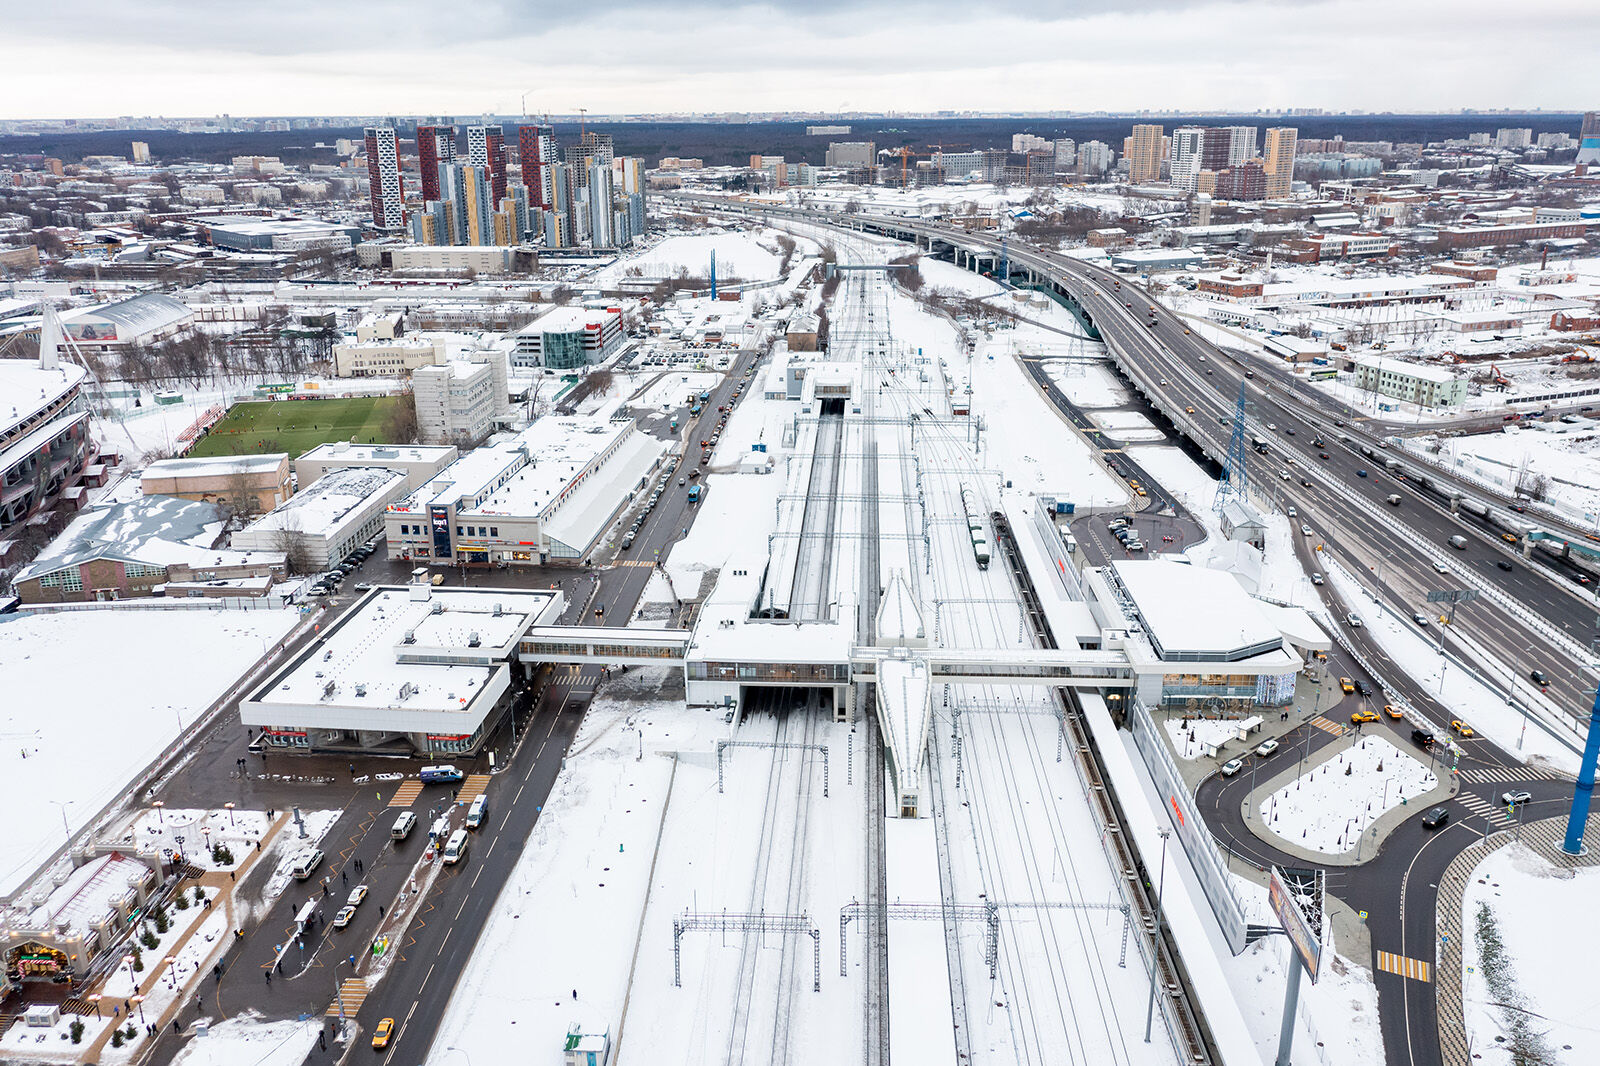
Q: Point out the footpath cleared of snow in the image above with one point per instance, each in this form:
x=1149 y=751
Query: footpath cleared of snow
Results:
x=1468 y=698
x=1540 y=978
x=77 y=739
x=1329 y=808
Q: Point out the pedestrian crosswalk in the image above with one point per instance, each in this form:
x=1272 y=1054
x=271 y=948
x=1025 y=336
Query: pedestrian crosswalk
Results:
x=406 y=794
x=636 y=562
x=1495 y=813
x=1500 y=773
x=1416 y=969
x=1328 y=725
x=472 y=787
x=566 y=672
x=351 y=995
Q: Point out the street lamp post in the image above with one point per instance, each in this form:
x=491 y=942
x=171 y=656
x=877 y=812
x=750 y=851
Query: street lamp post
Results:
x=139 y=1002
x=229 y=808
x=1155 y=945
x=62 y=804
x=1510 y=684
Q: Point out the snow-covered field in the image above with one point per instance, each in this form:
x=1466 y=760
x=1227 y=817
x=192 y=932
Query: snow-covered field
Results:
x=1485 y=709
x=1329 y=807
x=739 y=255
x=1537 y=982
x=93 y=696
x=1570 y=460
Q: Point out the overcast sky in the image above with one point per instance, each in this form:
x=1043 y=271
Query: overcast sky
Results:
x=94 y=58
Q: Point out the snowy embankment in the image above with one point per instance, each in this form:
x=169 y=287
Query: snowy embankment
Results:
x=74 y=746
x=1467 y=697
x=1329 y=808
x=1525 y=990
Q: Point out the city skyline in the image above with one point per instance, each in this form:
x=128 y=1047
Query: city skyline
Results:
x=1159 y=55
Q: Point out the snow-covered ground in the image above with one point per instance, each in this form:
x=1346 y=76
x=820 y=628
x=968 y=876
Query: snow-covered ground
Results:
x=1537 y=982
x=1568 y=456
x=78 y=743
x=1190 y=738
x=1329 y=808
x=1338 y=1016
x=739 y=254
x=1087 y=385
x=1485 y=709
x=244 y=1040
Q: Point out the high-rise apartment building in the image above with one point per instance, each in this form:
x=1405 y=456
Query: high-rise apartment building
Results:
x=383 y=172
x=141 y=153
x=1094 y=157
x=1513 y=138
x=1200 y=148
x=1589 y=139
x=600 y=187
x=591 y=148
x=1143 y=150
x=1066 y=150
x=1241 y=144
x=852 y=154
x=466 y=188
x=1278 y=160
x=536 y=150
x=436 y=145
x=486 y=147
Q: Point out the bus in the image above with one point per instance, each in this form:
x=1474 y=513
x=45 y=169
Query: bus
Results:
x=694 y=494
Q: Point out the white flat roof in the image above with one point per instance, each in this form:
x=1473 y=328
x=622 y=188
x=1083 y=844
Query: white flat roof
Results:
x=1192 y=609
x=377 y=454
x=361 y=650
x=322 y=505
x=215 y=466
x=559 y=449
x=1398 y=366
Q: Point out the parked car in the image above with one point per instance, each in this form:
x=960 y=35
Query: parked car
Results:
x=1436 y=818
x=1231 y=767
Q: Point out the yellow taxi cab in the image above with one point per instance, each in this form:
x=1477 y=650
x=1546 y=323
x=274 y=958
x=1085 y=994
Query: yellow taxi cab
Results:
x=1392 y=711
x=1188 y=410
x=1346 y=685
x=1141 y=492
x=1364 y=716
x=1462 y=728
x=380 y=1035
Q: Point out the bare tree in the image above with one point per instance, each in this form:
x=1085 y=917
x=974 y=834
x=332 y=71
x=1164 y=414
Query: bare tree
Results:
x=402 y=426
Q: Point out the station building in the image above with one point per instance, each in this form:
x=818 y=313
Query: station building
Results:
x=45 y=446
x=547 y=494
x=408 y=670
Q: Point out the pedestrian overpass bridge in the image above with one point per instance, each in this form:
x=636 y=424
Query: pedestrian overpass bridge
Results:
x=947 y=666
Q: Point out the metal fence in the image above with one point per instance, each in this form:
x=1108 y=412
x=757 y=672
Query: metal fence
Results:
x=1204 y=856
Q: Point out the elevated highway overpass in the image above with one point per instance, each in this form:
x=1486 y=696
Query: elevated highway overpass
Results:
x=1339 y=488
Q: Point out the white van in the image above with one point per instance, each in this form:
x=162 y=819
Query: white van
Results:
x=455 y=849
x=440 y=828
x=305 y=862
x=402 y=826
x=475 y=813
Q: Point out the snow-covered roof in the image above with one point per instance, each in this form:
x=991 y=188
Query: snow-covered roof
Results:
x=25 y=389
x=1383 y=364
x=134 y=317
x=1194 y=613
x=323 y=504
x=899 y=617
x=216 y=465
x=559 y=449
x=154 y=530
x=88 y=894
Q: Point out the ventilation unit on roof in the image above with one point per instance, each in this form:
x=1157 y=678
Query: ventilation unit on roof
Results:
x=473 y=641
x=437 y=608
x=497 y=610
x=329 y=689
x=407 y=690
x=410 y=637
x=361 y=689
x=327 y=655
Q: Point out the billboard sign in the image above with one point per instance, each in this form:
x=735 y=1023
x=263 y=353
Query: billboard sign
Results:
x=1296 y=898
x=91 y=331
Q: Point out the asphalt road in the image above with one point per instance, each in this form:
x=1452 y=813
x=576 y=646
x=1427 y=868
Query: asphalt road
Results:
x=438 y=943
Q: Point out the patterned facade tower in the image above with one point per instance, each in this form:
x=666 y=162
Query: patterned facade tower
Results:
x=486 y=148
x=435 y=145
x=383 y=173
x=536 y=148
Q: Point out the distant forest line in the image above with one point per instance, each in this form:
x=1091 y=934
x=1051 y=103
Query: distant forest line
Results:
x=732 y=143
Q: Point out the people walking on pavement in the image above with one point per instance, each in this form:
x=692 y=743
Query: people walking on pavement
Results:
x=268 y=976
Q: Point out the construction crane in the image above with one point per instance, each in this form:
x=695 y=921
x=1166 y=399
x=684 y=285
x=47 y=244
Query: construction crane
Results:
x=906 y=154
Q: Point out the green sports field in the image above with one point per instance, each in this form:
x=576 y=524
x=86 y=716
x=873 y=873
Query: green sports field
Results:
x=297 y=426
